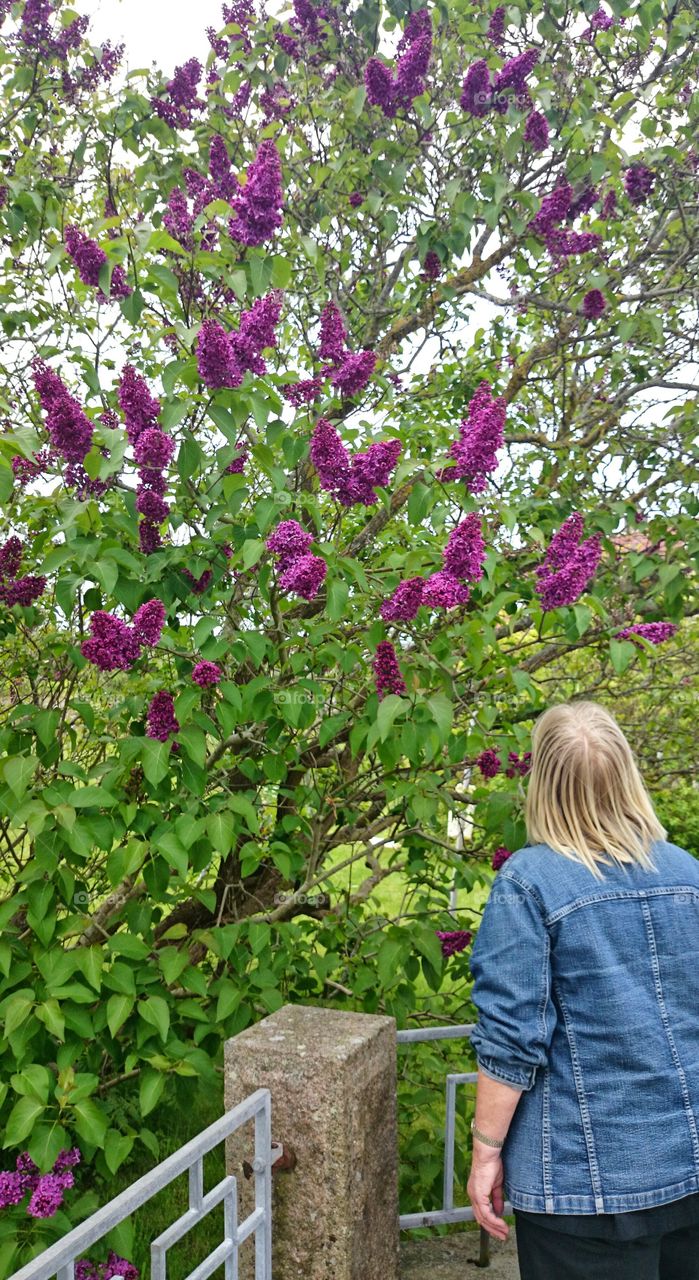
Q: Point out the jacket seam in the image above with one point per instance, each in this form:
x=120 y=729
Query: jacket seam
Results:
x=582 y=1104
x=660 y=996
x=615 y=895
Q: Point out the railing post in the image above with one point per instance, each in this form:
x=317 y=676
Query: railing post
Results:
x=332 y=1077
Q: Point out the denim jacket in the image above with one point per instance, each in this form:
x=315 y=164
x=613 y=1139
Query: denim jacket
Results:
x=588 y=1000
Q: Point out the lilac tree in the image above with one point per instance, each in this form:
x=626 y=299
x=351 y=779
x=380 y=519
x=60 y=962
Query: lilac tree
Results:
x=349 y=385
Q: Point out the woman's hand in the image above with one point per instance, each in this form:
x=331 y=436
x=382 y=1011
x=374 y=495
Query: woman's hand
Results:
x=486 y=1184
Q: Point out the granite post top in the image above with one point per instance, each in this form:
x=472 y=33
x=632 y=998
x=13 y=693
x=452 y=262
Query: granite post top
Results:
x=311 y=1030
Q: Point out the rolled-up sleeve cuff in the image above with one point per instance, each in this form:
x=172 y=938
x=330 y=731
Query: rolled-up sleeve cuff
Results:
x=517 y=1077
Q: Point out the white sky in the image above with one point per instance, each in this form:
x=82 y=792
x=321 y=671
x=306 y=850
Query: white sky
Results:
x=164 y=31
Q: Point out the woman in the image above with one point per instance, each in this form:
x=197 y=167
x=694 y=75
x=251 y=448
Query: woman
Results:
x=586 y=981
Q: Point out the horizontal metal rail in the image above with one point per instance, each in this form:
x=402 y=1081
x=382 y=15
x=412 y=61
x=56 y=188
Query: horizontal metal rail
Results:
x=448 y=1214
x=59 y=1259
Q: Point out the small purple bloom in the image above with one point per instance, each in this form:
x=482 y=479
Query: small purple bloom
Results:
x=154 y=449
x=139 y=407
x=536 y=131
x=594 y=304
x=354 y=374
x=443 y=590
x=481 y=434
x=69 y=428
x=464 y=554
x=655 y=632
x=638 y=183
x=454 y=941
x=500 y=857
x=288 y=542
x=112 y=645
x=489 y=763
x=258 y=204
x=162 y=722
x=476 y=92
x=206 y=673
x=403 y=605
x=387 y=675
x=333 y=334
x=148 y=622
x=304 y=576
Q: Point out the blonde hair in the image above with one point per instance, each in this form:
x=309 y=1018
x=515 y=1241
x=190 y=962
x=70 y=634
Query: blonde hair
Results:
x=586 y=798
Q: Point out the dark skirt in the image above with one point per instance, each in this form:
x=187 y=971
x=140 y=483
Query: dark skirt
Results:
x=650 y=1244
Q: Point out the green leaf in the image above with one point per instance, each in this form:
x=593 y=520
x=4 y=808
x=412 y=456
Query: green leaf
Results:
x=443 y=711
x=156 y=760
x=156 y=1013
x=91 y=798
x=18 y=772
x=16 y=1011
x=221 y=829
x=118 y=1009
x=390 y=707
x=21 y=1120
x=150 y=1089
x=91 y=1121
x=253 y=548
x=117 y=1146
x=621 y=653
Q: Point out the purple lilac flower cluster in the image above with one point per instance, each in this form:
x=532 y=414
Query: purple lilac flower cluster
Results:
x=76 y=477
x=46 y=1190
x=13 y=589
x=113 y=645
x=518 y=766
x=114 y=1266
x=500 y=857
x=258 y=204
x=237 y=466
x=600 y=21
x=395 y=91
x=387 y=674
x=565 y=244
x=594 y=304
x=536 y=131
x=27 y=469
x=453 y=941
x=349 y=372
x=153 y=450
x=89 y=259
x=479 y=95
x=206 y=674
x=655 y=632
x=240 y=14
x=352 y=479
x=300 y=572
x=223 y=358
x=69 y=428
x=496 y=27
x=432 y=266
x=638 y=183
x=201 y=190
x=181 y=101
x=489 y=763
x=569 y=565
x=481 y=434
x=463 y=558
x=303 y=392
x=38 y=34
x=557 y=206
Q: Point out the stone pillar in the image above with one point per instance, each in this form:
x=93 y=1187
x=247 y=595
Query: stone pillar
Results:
x=332 y=1076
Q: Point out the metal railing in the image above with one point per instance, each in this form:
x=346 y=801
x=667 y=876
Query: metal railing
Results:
x=448 y=1214
x=60 y=1258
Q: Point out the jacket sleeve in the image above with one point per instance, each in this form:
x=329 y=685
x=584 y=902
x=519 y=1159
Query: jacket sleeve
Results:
x=510 y=963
